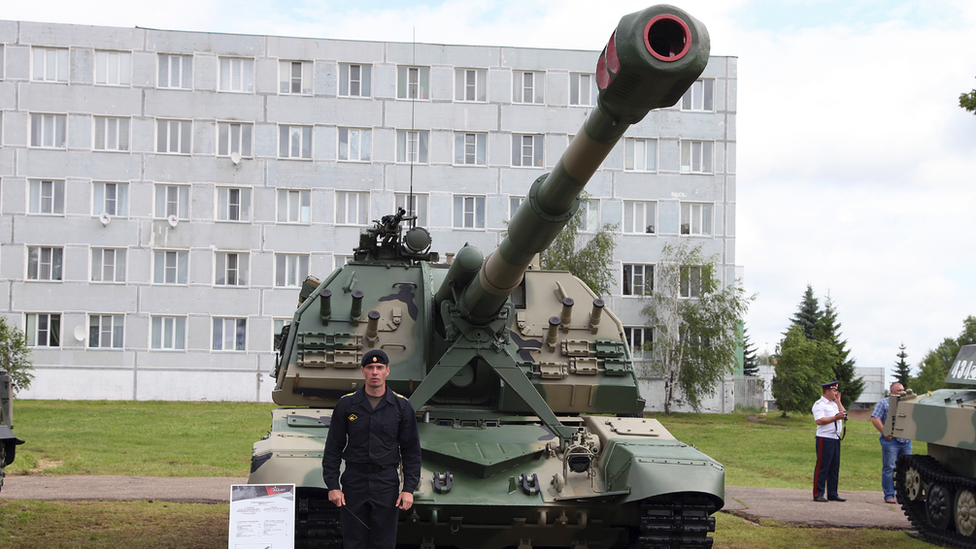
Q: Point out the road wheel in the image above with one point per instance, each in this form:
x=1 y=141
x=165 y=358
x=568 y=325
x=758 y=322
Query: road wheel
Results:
x=938 y=507
x=913 y=483
x=965 y=513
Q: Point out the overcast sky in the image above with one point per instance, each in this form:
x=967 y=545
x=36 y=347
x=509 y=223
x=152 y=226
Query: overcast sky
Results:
x=856 y=168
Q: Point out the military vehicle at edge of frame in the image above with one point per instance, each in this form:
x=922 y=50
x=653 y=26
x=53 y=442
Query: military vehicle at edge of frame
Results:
x=8 y=442
x=938 y=491
x=506 y=372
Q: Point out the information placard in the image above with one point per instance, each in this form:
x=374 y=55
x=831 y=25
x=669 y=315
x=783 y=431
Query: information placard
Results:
x=262 y=516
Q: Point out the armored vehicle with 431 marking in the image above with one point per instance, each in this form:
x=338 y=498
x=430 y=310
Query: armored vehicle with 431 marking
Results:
x=938 y=491
x=523 y=382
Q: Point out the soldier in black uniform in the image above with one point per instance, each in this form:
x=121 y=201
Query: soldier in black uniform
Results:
x=373 y=430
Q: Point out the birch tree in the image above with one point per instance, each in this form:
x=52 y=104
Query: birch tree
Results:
x=696 y=318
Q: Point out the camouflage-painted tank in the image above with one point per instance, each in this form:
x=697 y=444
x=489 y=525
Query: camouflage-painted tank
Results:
x=8 y=442
x=520 y=377
x=938 y=490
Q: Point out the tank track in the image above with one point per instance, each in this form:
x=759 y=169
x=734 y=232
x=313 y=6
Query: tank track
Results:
x=681 y=522
x=317 y=524
x=3 y=462
x=932 y=512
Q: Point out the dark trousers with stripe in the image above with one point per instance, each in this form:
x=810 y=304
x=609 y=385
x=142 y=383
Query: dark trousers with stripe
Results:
x=828 y=468
x=370 y=498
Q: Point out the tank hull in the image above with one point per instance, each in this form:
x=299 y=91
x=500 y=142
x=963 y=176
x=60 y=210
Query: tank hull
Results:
x=490 y=485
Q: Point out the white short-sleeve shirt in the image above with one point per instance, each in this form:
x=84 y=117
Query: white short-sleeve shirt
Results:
x=827 y=408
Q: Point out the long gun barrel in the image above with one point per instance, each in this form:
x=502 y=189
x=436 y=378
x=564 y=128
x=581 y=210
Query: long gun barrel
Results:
x=652 y=58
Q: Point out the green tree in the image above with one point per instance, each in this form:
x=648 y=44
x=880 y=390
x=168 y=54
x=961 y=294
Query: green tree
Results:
x=937 y=362
x=801 y=365
x=750 y=362
x=15 y=356
x=808 y=315
x=828 y=331
x=587 y=257
x=968 y=101
x=696 y=320
x=903 y=372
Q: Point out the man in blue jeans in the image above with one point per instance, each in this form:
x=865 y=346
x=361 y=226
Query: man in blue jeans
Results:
x=891 y=447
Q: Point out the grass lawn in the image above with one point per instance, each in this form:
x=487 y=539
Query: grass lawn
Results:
x=191 y=439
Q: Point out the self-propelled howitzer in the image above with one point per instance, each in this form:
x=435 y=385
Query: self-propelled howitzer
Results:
x=505 y=364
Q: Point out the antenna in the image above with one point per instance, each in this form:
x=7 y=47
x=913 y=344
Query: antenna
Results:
x=411 y=205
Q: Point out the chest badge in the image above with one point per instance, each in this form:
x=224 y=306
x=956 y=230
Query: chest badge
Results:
x=352 y=417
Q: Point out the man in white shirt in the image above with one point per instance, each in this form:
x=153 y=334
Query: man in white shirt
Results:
x=829 y=414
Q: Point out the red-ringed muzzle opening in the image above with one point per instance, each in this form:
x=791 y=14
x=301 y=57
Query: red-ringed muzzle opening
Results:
x=667 y=37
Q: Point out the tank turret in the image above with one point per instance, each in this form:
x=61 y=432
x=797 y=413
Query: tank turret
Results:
x=507 y=367
x=938 y=491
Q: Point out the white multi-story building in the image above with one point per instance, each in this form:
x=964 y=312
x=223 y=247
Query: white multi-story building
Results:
x=163 y=194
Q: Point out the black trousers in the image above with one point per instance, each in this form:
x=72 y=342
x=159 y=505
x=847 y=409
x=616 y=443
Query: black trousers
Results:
x=828 y=468
x=370 y=497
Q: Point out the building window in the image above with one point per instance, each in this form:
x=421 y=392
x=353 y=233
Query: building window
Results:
x=233 y=204
x=470 y=85
x=696 y=157
x=691 y=282
x=696 y=219
x=582 y=89
x=236 y=75
x=639 y=217
x=294 y=141
x=527 y=150
x=172 y=200
x=105 y=331
x=591 y=215
x=352 y=208
x=513 y=204
x=295 y=77
x=470 y=149
x=699 y=96
x=229 y=334
x=640 y=340
x=294 y=206
x=414 y=205
x=110 y=198
x=290 y=270
x=50 y=64
x=279 y=325
x=169 y=332
x=354 y=144
x=113 y=68
x=638 y=279
x=469 y=212
x=48 y=130
x=640 y=155
x=529 y=87
x=44 y=263
x=170 y=267
x=175 y=71
x=108 y=265
x=340 y=260
x=413 y=83
x=173 y=136
x=111 y=134
x=231 y=269
x=234 y=137
x=43 y=330
x=46 y=197
x=412 y=146
x=355 y=80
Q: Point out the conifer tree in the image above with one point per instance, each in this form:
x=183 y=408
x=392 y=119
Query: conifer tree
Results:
x=903 y=372
x=828 y=331
x=750 y=362
x=808 y=315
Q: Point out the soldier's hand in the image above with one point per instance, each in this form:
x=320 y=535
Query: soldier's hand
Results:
x=337 y=497
x=405 y=501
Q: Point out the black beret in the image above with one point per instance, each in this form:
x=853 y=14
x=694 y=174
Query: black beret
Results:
x=375 y=355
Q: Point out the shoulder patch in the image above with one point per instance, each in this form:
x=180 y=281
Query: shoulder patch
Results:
x=348 y=395
x=399 y=395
